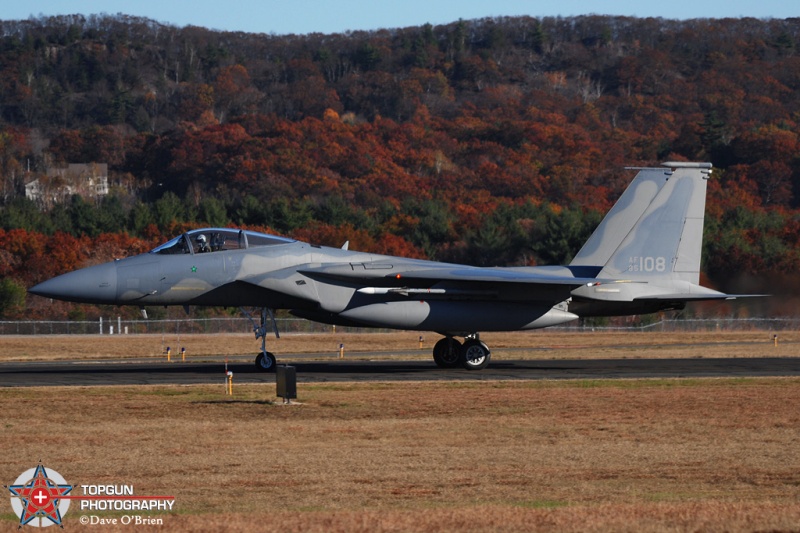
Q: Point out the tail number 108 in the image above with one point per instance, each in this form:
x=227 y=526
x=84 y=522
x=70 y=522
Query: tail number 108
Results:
x=647 y=264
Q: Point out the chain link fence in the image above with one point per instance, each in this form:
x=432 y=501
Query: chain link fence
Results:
x=700 y=324
x=116 y=325
x=296 y=325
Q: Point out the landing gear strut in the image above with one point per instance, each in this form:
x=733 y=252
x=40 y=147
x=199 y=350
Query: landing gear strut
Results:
x=472 y=355
x=265 y=361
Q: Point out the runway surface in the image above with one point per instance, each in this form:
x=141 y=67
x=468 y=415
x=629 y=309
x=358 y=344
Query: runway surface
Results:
x=150 y=372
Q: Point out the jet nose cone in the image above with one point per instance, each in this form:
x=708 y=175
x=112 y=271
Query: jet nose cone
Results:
x=95 y=284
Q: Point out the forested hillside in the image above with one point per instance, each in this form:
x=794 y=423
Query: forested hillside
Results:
x=490 y=142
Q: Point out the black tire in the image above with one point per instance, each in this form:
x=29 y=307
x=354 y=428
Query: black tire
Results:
x=266 y=362
x=475 y=355
x=447 y=352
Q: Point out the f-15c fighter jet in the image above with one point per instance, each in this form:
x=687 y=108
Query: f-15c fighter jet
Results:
x=644 y=257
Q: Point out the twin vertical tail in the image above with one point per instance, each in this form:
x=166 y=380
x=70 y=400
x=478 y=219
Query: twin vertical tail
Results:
x=654 y=232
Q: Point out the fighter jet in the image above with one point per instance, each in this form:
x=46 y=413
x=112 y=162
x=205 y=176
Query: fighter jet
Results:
x=644 y=257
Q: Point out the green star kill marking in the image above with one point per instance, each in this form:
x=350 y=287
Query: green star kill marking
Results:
x=194 y=269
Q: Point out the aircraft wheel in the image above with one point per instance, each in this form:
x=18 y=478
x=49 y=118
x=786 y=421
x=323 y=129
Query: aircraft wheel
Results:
x=474 y=355
x=446 y=352
x=266 y=362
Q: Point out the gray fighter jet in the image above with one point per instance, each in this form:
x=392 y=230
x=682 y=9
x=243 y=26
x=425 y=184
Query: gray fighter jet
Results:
x=644 y=257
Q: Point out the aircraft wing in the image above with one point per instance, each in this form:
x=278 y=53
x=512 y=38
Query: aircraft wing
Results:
x=489 y=275
x=392 y=274
x=450 y=281
x=689 y=297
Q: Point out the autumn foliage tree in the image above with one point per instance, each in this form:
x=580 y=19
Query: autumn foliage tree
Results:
x=491 y=141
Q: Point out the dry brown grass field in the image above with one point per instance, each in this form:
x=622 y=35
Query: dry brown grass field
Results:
x=628 y=455
x=557 y=345
x=571 y=455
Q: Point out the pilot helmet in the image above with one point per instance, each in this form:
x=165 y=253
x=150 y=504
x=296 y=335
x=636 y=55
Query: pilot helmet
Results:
x=201 y=239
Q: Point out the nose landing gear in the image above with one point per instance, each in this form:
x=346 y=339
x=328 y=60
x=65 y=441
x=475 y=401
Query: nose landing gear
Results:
x=265 y=361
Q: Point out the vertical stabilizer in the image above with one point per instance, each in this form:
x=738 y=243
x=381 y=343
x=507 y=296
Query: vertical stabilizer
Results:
x=666 y=240
x=622 y=218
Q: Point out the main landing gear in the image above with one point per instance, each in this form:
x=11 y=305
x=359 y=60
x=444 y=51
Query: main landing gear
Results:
x=265 y=361
x=472 y=354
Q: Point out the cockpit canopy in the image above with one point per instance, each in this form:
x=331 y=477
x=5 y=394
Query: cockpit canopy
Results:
x=216 y=240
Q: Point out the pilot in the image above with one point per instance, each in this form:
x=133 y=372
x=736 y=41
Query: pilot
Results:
x=202 y=244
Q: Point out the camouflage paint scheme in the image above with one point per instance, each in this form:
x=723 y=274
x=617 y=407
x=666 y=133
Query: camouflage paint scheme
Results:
x=643 y=257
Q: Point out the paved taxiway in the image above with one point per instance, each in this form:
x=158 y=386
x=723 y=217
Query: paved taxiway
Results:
x=152 y=372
